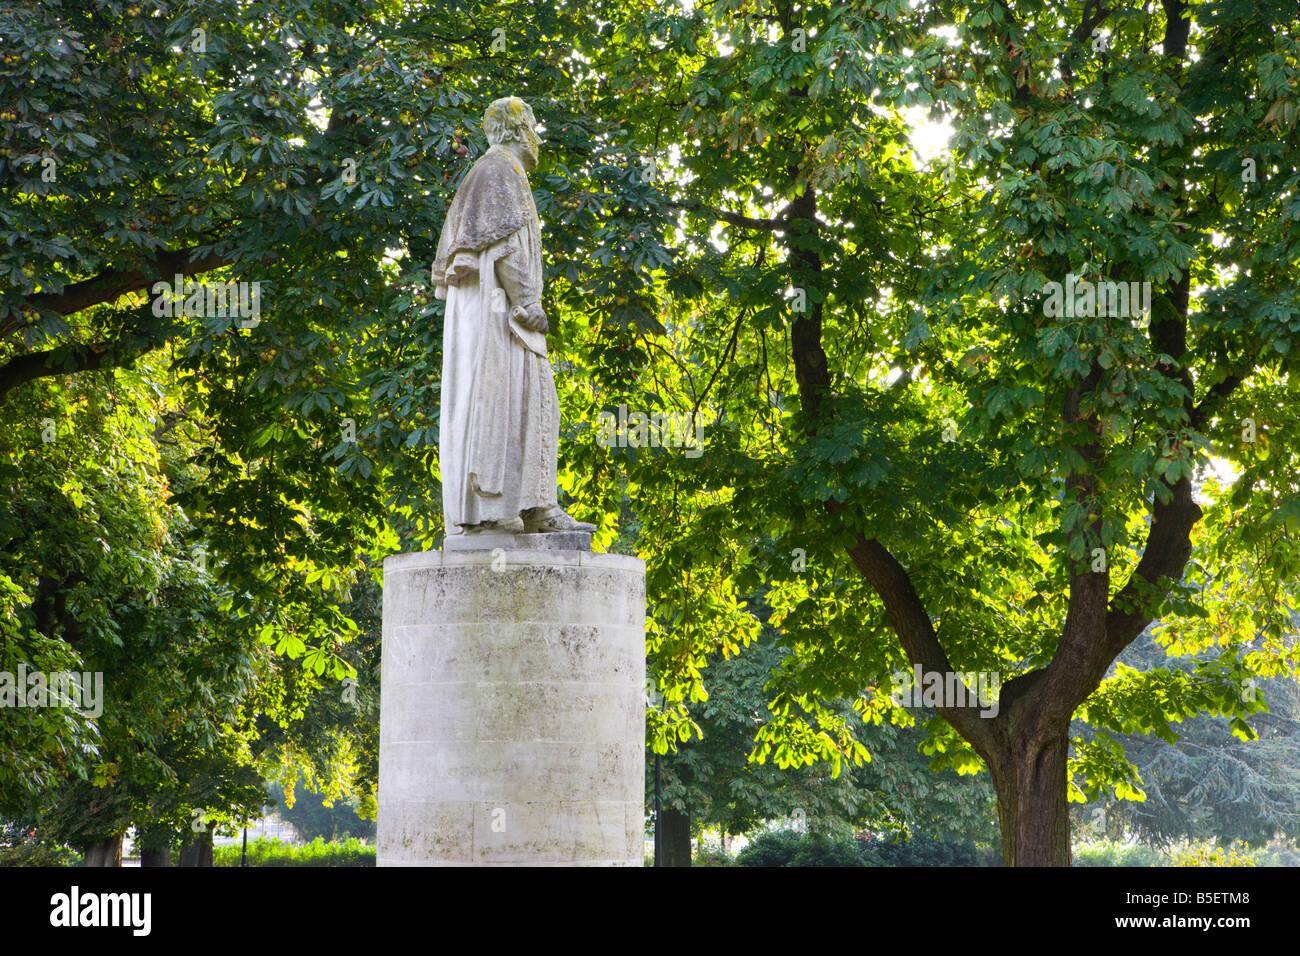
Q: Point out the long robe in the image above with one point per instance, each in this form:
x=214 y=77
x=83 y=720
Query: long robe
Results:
x=499 y=422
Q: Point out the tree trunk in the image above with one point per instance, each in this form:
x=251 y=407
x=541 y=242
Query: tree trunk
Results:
x=677 y=838
x=161 y=856
x=1031 y=780
x=155 y=846
x=103 y=852
x=198 y=852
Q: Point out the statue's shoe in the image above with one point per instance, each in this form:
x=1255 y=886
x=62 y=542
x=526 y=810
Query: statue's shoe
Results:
x=543 y=520
x=506 y=526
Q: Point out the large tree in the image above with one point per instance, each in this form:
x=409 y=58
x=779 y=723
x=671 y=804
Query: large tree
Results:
x=958 y=474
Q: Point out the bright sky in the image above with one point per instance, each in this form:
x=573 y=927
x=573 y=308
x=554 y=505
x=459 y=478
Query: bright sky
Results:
x=929 y=139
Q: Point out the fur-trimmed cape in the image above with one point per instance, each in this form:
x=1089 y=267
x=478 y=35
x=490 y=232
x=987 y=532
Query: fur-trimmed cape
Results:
x=492 y=203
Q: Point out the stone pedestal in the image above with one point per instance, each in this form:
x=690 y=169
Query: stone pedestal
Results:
x=512 y=717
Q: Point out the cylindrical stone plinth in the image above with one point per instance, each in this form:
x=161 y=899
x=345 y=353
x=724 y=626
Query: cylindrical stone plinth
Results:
x=512 y=709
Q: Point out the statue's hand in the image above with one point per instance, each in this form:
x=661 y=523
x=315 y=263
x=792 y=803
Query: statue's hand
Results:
x=534 y=318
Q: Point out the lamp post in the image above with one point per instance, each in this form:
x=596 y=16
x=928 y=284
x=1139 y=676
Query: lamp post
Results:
x=656 y=700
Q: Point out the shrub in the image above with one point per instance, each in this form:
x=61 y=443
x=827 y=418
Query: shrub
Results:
x=819 y=850
x=1116 y=854
x=925 y=850
x=712 y=858
x=266 y=852
x=23 y=846
x=1209 y=855
x=773 y=848
x=788 y=848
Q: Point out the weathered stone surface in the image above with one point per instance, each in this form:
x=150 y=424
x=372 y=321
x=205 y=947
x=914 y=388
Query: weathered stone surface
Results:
x=512 y=722
x=499 y=411
x=541 y=541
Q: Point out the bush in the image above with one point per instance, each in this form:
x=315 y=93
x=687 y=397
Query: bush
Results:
x=925 y=850
x=266 y=852
x=1116 y=854
x=1206 y=854
x=787 y=848
x=23 y=846
x=819 y=850
x=773 y=848
x=712 y=858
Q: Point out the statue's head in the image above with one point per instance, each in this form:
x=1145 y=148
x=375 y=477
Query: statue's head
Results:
x=510 y=120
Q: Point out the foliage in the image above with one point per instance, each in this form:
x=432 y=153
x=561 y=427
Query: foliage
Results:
x=1277 y=853
x=1209 y=784
x=269 y=852
x=22 y=845
x=790 y=848
x=142 y=141
x=1116 y=854
x=111 y=580
x=1210 y=855
x=771 y=848
x=713 y=779
x=711 y=857
x=311 y=818
x=925 y=849
x=834 y=309
x=106 y=579
x=737 y=232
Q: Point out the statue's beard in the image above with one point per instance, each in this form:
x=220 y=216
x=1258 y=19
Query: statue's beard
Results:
x=529 y=157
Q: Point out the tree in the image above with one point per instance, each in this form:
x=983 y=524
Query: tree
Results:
x=311 y=818
x=891 y=381
x=106 y=581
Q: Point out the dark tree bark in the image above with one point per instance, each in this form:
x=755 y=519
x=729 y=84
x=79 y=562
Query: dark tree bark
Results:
x=1031 y=778
x=155 y=846
x=677 y=838
x=198 y=852
x=104 y=852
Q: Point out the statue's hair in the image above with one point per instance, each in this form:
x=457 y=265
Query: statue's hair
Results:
x=505 y=119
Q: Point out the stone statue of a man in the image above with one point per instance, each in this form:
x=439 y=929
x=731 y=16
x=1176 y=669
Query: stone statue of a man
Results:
x=500 y=419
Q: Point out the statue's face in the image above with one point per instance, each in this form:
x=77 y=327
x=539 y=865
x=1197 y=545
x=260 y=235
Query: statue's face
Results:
x=531 y=143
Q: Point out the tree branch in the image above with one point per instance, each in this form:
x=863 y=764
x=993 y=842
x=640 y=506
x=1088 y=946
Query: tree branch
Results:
x=885 y=574
x=111 y=285
x=65 y=359
x=779 y=224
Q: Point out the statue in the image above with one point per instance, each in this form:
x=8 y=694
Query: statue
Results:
x=499 y=423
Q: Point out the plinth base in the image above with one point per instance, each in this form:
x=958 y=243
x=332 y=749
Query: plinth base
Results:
x=512 y=716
